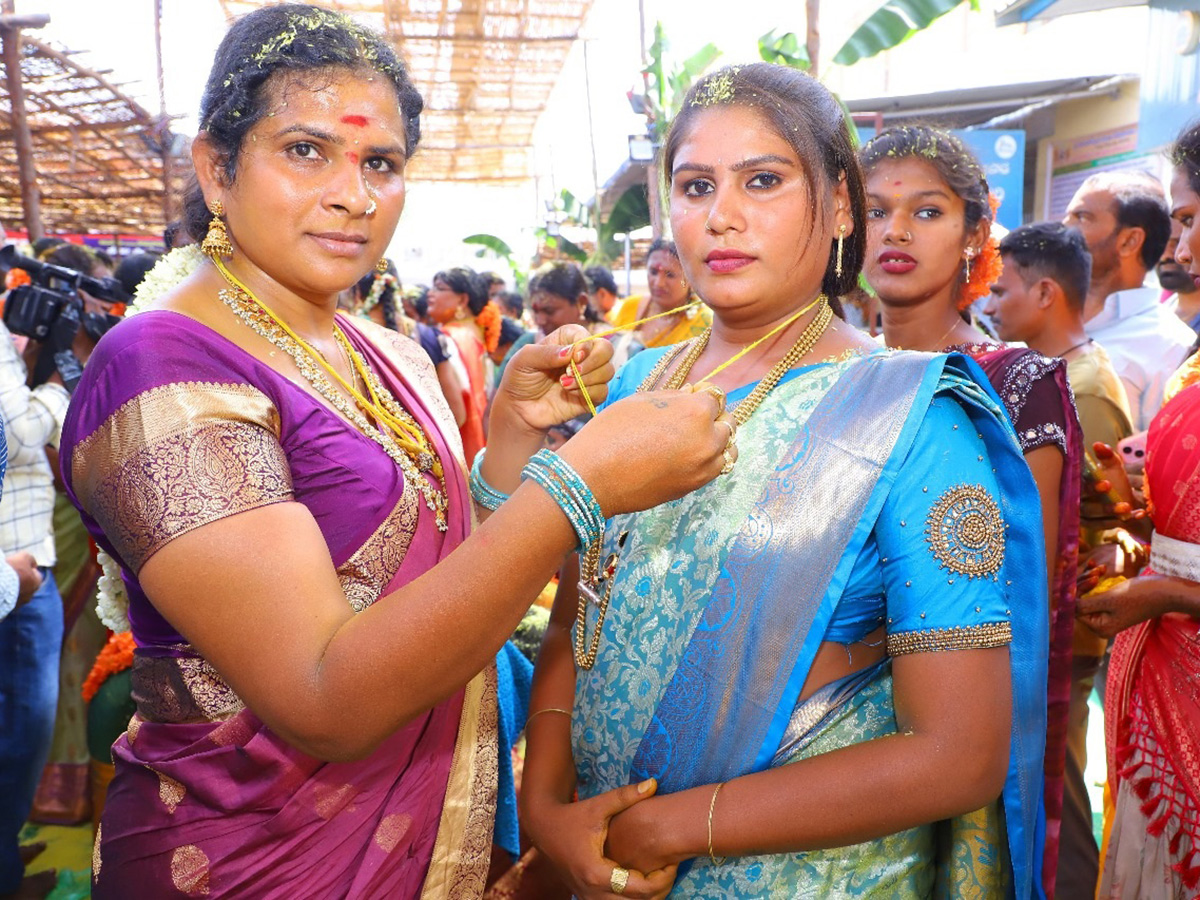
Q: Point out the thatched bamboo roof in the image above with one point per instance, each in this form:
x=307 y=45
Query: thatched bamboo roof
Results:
x=485 y=69
x=97 y=152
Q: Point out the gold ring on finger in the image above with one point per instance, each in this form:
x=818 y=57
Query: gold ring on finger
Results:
x=732 y=431
x=618 y=880
x=729 y=461
x=717 y=393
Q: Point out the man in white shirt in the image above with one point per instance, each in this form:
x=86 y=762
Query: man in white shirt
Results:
x=31 y=635
x=1124 y=220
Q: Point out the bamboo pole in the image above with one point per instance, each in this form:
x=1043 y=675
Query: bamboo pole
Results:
x=813 y=39
x=10 y=34
x=164 y=130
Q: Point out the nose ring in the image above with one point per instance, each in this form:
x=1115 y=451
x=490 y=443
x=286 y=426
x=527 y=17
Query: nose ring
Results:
x=371 y=207
x=709 y=229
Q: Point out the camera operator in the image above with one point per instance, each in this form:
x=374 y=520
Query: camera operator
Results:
x=31 y=635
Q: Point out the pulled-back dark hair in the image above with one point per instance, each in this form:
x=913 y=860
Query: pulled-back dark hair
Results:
x=295 y=39
x=662 y=243
x=562 y=279
x=387 y=297
x=510 y=332
x=600 y=278
x=1050 y=250
x=463 y=280
x=809 y=118
x=566 y=281
x=953 y=160
x=1185 y=154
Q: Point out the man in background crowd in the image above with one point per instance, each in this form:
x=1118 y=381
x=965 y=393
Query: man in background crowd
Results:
x=1184 y=295
x=1039 y=299
x=1124 y=220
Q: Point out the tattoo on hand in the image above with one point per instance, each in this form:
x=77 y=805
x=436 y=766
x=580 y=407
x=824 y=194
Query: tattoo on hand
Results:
x=659 y=404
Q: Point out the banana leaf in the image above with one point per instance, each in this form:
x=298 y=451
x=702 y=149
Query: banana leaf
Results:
x=784 y=49
x=893 y=24
x=490 y=242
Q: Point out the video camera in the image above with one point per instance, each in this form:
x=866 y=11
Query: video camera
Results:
x=51 y=312
x=32 y=309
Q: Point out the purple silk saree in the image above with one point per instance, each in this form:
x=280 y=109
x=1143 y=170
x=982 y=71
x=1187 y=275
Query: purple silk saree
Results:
x=173 y=427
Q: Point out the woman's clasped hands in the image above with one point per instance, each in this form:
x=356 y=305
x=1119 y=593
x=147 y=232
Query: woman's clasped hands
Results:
x=574 y=836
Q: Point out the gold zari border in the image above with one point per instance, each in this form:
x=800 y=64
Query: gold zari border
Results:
x=963 y=637
x=178 y=457
x=372 y=567
x=462 y=852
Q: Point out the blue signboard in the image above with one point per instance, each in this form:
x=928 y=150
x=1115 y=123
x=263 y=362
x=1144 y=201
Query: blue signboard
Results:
x=1002 y=155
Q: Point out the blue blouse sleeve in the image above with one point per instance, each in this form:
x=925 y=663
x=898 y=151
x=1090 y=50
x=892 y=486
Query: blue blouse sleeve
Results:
x=941 y=539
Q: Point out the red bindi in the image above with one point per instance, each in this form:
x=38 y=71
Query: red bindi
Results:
x=360 y=121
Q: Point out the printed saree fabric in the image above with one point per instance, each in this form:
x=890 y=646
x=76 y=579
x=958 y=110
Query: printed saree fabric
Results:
x=1039 y=402
x=885 y=490
x=1152 y=721
x=175 y=427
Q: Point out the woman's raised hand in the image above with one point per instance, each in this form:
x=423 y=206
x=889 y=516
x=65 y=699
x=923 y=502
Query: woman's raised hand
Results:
x=539 y=386
x=652 y=447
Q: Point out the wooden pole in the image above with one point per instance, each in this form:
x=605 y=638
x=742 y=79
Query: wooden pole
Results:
x=813 y=40
x=31 y=201
x=164 y=129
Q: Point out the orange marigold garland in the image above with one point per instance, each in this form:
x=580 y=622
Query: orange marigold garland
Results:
x=115 y=656
x=985 y=268
x=488 y=321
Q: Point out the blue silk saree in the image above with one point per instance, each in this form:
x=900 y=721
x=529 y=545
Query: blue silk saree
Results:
x=879 y=490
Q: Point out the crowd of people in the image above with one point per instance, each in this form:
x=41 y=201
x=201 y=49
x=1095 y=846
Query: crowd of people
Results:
x=461 y=591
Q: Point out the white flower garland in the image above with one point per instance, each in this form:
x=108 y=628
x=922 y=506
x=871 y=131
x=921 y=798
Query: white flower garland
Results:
x=378 y=286
x=112 y=602
x=166 y=274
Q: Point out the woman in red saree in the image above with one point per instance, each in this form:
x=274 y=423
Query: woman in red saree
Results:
x=1152 y=713
x=284 y=491
x=458 y=302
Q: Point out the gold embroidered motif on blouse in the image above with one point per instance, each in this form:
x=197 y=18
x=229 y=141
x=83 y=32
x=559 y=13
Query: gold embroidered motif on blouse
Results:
x=965 y=531
x=962 y=637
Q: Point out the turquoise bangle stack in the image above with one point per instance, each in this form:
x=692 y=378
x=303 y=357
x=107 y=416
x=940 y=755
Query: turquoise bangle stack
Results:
x=482 y=492
x=556 y=477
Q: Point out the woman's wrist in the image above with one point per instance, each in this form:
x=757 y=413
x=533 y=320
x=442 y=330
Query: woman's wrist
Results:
x=1170 y=594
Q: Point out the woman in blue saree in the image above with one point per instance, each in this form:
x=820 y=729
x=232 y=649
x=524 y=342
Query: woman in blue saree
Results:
x=824 y=673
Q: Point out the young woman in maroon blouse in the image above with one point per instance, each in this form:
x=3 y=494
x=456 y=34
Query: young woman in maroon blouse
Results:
x=930 y=255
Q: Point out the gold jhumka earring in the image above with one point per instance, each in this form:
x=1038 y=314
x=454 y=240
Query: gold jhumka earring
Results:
x=381 y=266
x=837 y=268
x=216 y=243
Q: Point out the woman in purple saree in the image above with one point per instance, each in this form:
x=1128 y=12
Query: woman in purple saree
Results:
x=284 y=492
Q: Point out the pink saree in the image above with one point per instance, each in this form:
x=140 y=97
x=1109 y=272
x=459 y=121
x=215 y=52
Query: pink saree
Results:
x=174 y=426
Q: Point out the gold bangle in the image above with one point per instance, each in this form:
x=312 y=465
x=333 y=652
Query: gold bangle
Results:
x=554 y=709
x=712 y=804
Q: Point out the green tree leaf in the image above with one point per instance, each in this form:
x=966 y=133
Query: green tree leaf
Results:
x=893 y=24
x=490 y=242
x=784 y=49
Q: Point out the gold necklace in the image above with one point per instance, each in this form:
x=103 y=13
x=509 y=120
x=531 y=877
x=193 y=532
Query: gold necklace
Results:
x=397 y=432
x=742 y=411
x=590 y=573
